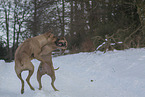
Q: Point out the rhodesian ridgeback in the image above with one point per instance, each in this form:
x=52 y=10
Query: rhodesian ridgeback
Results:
x=32 y=49
x=48 y=68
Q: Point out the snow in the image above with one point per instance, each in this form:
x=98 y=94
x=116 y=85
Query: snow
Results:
x=95 y=74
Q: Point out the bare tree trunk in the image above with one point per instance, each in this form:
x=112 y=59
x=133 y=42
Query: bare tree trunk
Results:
x=71 y=19
x=7 y=28
x=14 y=31
x=7 y=13
x=63 y=16
x=141 y=12
x=34 y=25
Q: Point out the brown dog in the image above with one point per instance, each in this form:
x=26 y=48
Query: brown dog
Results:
x=28 y=50
x=48 y=68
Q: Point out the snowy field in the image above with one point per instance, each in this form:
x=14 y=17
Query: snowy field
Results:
x=95 y=74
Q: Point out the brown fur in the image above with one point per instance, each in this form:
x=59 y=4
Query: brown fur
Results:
x=29 y=49
x=48 y=68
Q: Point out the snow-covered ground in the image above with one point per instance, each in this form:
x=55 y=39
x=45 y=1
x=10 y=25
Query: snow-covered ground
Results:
x=95 y=74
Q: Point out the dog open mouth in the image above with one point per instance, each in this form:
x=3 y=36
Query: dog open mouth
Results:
x=60 y=43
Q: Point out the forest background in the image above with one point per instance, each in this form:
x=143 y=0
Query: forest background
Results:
x=88 y=25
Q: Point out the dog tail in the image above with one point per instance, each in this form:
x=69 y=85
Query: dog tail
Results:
x=56 y=68
x=19 y=62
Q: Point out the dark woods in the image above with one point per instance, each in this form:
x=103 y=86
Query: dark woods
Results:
x=88 y=25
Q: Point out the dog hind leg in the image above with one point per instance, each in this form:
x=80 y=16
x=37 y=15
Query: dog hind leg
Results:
x=28 y=79
x=31 y=70
x=39 y=75
x=52 y=82
x=18 y=72
x=22 y=81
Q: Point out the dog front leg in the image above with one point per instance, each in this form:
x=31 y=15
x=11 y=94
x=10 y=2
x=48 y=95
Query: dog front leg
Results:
x=53 y=80
x=38 y=57
x=39 y=75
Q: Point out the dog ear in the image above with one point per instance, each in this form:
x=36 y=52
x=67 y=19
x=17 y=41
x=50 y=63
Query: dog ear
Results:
x=47 y=34
x=62 y=38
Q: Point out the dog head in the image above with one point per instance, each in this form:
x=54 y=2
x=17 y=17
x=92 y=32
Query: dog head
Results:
x=61 y=43
x=50 y=37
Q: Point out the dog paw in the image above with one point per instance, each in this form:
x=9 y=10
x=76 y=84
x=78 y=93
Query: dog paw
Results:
x=39 y=88
x=56 y=90
x=22 y=91
x=32 y=89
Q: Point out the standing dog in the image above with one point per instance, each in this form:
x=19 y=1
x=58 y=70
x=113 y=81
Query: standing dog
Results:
x=28 y=50
x=48 y=68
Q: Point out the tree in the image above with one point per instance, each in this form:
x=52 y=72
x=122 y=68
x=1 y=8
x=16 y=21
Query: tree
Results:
x=13 y=16
x=6 y=10
x=39 y=13
x=21 y=13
